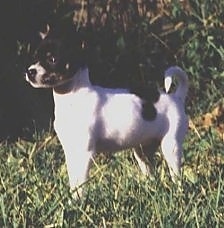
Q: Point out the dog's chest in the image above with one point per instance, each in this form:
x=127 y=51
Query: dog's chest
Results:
x=74 y=109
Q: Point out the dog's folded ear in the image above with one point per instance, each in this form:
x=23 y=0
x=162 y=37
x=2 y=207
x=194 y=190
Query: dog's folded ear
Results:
x=43 y=34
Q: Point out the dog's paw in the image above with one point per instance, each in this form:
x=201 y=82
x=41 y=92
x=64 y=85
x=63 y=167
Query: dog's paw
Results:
x=76 y=193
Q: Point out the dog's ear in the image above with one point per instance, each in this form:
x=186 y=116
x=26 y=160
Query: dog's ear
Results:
x=45 y=32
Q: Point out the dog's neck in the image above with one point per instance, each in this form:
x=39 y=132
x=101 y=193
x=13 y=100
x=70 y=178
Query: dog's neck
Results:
x=79 y=80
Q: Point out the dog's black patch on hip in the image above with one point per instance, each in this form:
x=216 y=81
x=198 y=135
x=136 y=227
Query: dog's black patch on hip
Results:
x=147 y=92
x=150 y=95
x=148 y=111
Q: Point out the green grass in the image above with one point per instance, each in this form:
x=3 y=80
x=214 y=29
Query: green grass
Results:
x=34 y=188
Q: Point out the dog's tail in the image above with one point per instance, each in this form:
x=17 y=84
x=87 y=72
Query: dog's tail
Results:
x=182 y=79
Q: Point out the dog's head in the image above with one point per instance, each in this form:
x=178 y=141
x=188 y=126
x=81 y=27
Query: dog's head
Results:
x=59 y=56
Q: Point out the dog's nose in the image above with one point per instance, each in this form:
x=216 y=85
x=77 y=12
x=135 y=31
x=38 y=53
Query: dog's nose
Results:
x=31 y=73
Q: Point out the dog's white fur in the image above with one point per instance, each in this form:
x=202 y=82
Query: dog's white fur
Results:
x=91 y=119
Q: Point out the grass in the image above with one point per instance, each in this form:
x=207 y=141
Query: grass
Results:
x=34 y=188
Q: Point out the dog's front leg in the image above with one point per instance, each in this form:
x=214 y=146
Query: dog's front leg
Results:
x=78 y=160
x=78 y=148
x=78 y=166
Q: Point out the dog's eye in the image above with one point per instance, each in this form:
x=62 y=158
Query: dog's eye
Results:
x=51 y=59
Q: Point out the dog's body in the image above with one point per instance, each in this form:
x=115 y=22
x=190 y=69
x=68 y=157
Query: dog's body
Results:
x=91 y=119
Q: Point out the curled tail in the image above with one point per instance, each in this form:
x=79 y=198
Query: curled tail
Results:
x=182 y=79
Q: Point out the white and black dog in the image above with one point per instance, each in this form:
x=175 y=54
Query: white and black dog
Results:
x=91 y=119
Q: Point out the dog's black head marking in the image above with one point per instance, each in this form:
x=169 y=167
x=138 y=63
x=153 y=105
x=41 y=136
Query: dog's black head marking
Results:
x=59 y=56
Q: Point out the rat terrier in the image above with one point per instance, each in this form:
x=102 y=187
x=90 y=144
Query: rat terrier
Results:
x=91 y=119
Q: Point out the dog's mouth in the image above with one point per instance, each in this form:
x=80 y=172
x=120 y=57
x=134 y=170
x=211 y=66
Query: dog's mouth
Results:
x=52 y=79
x=47 y=81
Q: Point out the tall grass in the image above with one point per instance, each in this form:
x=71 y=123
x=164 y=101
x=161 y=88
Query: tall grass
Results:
x=34 y=188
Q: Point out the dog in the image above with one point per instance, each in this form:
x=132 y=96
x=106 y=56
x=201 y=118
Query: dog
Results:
x=91 y=119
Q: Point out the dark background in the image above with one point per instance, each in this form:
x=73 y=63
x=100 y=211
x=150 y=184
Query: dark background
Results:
x=129 y=42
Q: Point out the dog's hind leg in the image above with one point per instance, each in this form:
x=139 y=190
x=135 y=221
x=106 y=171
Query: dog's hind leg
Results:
x=172 y=151
x=145 y=157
